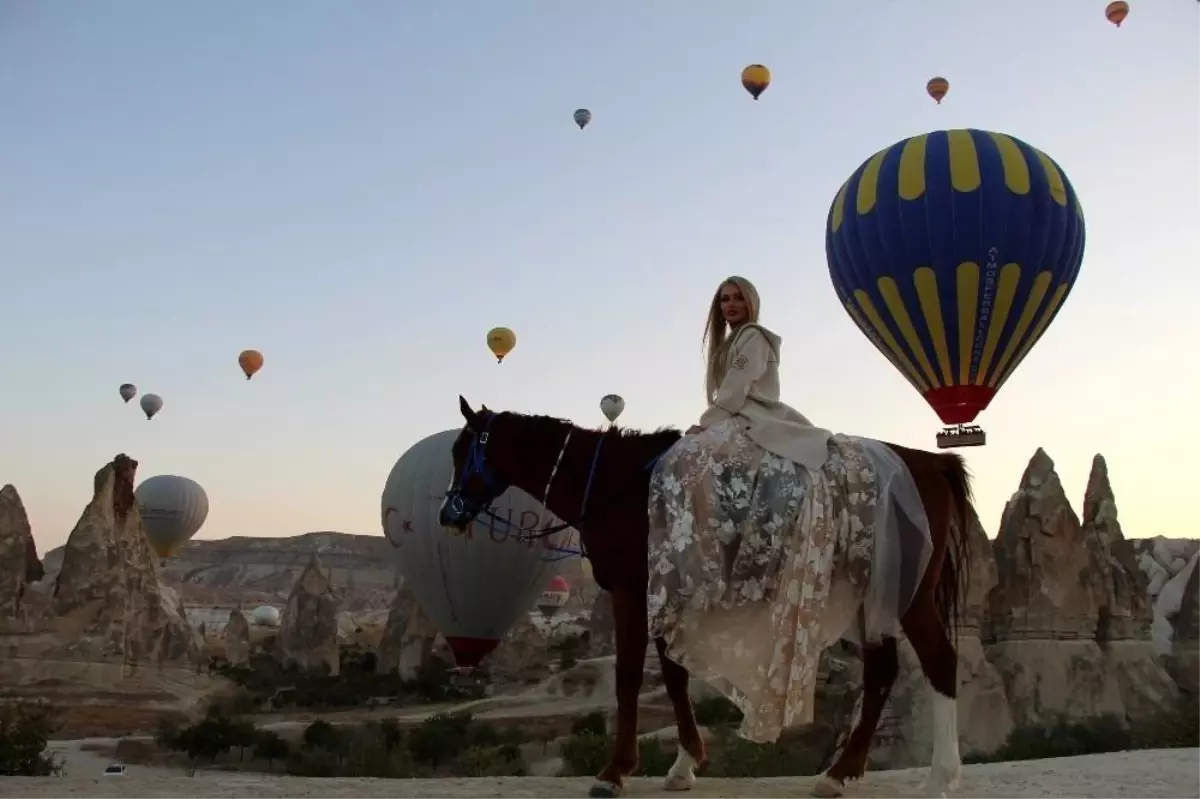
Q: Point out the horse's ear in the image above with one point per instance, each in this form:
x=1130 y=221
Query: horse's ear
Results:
x=465 y=409
x=484 y=409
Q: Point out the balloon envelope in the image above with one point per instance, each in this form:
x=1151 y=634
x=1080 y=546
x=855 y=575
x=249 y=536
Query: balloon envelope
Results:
x=755 y=79
x=612 y=405
x=173 y=510
x=151 y=404
x=265 y=616
x=500 y=341
x=128 y=391
x=937 y=88
x=472 y=584
x=250 y=361
x=1116 y=12
x=582 y=117
x=953 y=251
x=557 y=593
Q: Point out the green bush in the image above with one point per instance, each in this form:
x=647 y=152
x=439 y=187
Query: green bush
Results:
x=593 y=723
x=1062 y=738
x=270 y=746
x=716 y=711
x=653 y=758
x=794 y=754
x=267 y=682
x=439 y=738
x=25 y=728
x=1177 y=726
x=585 y=753
x=490 y=761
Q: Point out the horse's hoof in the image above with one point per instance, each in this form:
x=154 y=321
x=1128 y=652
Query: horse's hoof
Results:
x=829 y=787
x=940 y=781
x=679 y=782
x=603 y=789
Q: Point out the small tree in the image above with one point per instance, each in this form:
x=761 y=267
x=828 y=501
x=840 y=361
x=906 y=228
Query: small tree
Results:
x=270 y=747
x=322 y=735
x=24 y=730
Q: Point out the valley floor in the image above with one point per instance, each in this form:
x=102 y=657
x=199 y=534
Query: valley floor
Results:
x=1149 y=773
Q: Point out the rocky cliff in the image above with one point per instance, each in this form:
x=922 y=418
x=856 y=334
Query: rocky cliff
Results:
x=104 y=633
x=308 y=633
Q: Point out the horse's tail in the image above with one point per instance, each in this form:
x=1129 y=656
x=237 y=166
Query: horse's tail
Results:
x=950 y=595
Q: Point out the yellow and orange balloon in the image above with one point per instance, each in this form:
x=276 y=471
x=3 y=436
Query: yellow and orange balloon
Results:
x=937 y=88
x=250 y=361
x=755 y=79
x=500 y=341
x=1116 y=12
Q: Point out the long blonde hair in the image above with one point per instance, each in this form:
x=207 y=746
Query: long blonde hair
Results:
x=716 y=329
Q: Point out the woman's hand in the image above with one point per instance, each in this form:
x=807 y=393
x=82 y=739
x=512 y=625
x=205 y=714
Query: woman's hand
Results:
x=691 y=431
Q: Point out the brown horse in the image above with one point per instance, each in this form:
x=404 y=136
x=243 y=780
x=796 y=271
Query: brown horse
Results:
x=599 y=482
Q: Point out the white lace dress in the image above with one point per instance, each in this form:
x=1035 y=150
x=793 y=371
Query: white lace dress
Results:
x=757 y=564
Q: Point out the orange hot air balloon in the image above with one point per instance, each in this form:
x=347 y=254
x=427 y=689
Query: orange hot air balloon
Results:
x=1116 y=12
x=755 y=79
x=937 y=88
x=250 y=361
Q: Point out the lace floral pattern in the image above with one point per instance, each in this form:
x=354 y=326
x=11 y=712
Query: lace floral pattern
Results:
x=756 y=565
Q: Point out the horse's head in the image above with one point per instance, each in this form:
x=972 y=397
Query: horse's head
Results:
x=478 y=479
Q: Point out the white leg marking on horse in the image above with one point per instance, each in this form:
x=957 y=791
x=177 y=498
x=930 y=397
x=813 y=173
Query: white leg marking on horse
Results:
x=603 y=789
x=682 y=774
x=945 y=765
x=827 y=787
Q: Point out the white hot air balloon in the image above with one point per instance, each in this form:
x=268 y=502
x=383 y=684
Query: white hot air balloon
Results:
x=265 y=616
x=173 y=510
x=151 y=404
x=611 y=405
x=475 y=584
x=555 y=596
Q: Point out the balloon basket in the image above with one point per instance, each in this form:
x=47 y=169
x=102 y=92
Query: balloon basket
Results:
x=961 y=435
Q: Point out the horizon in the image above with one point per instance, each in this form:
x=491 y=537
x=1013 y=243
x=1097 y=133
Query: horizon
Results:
x=360 y=193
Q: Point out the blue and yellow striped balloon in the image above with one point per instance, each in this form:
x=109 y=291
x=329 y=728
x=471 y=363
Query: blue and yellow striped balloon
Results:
x=953 y=251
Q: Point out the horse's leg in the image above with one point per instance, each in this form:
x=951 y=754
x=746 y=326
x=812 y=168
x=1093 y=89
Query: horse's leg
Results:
x=629 y=621
x=692 y=751
x=926 y=631
x=880 y=668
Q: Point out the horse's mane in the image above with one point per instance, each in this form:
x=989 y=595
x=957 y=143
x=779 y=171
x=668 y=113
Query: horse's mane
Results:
x=662 y=437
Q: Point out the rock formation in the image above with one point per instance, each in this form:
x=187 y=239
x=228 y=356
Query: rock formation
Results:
x=408 y=637
x=236 y=638
x=105 y=635
x=1060 y=589
x=1177 y=609
x=1124 y=610
x=108 y=598
x=19 y=564
x=308 y=633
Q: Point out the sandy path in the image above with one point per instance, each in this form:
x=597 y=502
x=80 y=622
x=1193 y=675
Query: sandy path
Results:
x=1154 y=773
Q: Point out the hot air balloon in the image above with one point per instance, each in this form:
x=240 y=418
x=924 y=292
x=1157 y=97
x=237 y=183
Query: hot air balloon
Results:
x=151 y=404
x=473 y=584
x=555 y=596
x=173 y=510
x=582 y=117
x=500 y=341
x=756 y=78
x=265 y=616
x=953 y=251
x=1116 y=12
x=128 y=391
x=937 y=88
x=250 y=361
x=586 y=567
x=611 y=405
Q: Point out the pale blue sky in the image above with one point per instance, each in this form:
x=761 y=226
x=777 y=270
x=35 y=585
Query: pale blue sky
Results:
x=361 y=190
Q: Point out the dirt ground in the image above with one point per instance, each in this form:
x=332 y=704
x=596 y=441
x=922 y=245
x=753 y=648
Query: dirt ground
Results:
x=1149 y=773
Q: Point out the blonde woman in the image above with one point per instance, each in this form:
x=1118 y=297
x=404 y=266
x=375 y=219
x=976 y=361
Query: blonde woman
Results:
x=742 y=380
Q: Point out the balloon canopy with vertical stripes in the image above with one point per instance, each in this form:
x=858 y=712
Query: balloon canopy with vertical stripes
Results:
x=953 y=251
